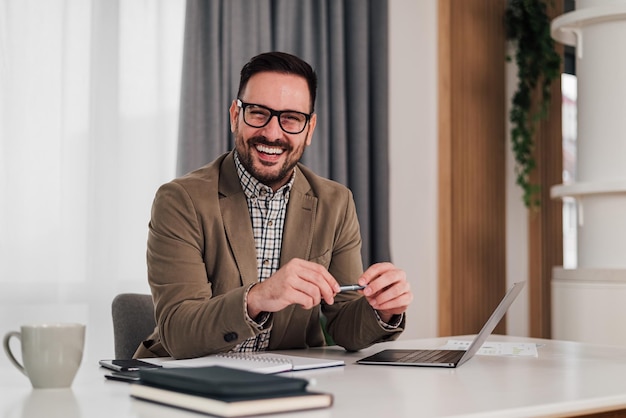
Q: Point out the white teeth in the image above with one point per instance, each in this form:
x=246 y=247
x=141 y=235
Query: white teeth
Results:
x=269 y=150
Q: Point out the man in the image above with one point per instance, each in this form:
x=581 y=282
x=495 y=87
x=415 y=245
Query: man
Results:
x=247 y=252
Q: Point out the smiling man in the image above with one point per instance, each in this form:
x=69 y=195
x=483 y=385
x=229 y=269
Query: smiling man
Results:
x=248 y=252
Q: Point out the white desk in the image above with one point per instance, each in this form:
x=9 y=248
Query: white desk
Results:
x=565 y=379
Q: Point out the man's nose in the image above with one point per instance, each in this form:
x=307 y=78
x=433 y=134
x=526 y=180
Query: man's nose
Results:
x=273 y=128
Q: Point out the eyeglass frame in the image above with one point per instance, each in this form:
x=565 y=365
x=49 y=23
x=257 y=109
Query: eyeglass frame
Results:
x=242 y=105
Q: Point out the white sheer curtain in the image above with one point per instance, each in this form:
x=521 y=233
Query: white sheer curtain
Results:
x=89 y=94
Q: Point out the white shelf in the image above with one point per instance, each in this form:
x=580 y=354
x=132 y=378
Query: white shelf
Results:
x=597 y=275
x=564 y=28
x=588 y=188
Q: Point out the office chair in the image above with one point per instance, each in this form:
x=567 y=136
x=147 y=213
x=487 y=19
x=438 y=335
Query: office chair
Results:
x=133 y=321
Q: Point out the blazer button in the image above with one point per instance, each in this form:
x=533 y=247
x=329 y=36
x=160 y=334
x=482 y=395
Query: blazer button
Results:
x=231 y=336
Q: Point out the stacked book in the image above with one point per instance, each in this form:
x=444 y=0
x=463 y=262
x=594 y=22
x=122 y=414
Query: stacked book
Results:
x=227 y=392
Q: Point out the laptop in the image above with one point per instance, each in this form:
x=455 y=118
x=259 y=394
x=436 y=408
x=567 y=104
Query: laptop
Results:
x=441 y=357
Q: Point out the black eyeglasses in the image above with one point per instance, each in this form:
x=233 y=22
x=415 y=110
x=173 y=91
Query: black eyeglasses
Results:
x=258 y=116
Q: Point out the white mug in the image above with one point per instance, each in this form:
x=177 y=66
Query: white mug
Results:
x=51 y=353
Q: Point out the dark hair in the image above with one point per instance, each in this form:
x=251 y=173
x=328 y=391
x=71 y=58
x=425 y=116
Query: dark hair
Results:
x=279 y=62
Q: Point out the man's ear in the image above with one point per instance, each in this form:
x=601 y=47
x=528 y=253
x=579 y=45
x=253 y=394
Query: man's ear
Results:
x=309 y=134
x=234 y=115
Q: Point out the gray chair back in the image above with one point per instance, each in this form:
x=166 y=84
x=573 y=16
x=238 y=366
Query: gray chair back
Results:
x=133 y=322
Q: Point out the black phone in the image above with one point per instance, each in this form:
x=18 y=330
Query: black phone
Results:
x=124 y=376
x=127 y=365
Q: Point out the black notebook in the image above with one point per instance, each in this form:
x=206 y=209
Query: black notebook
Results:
x=445 y=358
x=227 y=392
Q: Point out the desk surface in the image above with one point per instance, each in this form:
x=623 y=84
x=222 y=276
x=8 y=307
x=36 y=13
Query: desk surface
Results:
x=566 y=378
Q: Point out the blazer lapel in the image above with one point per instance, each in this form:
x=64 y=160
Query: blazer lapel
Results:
x=299 y=221
x=297 y=242
x=234 y=210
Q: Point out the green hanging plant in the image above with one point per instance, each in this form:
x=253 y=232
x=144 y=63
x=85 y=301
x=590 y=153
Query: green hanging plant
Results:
x=528 y=26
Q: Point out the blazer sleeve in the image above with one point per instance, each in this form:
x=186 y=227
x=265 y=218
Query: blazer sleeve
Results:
x=351 y=321
x=194 y=317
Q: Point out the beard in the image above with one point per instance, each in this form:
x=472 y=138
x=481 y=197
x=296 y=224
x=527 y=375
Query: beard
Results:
x=270 y=174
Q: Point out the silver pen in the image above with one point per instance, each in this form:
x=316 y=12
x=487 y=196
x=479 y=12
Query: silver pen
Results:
x=350 y=287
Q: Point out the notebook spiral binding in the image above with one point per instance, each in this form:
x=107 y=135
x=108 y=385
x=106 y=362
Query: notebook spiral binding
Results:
x=255 y=357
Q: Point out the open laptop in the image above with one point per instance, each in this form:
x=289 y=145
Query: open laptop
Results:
x=441 y=357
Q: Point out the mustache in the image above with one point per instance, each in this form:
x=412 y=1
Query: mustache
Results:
x=263 y=140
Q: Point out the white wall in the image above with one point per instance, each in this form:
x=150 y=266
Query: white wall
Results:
x=413 y=152
x=516 y=228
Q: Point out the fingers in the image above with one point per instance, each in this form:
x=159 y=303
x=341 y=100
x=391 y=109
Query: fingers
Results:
x=312 y=280
x=306 y=293
x=379 y=277
x=298 y=282
x=308 y=284
x=388 y=290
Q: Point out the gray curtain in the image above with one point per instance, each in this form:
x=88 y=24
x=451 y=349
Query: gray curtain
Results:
x=346 y=43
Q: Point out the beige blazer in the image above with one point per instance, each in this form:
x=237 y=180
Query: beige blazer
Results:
x=201 y=259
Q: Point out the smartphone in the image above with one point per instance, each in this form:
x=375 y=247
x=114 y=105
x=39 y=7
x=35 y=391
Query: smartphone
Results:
x=123 y=376
x=127 y=365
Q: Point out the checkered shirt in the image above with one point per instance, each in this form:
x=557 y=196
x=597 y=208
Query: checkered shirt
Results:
x=267 y=212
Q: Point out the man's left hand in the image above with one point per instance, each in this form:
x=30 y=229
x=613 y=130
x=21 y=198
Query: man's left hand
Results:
x=387 y=290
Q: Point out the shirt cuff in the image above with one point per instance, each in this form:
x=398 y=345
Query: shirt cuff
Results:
x=263 y=317
x=394 y=323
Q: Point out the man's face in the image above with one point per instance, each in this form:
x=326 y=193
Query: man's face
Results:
x=269 y=153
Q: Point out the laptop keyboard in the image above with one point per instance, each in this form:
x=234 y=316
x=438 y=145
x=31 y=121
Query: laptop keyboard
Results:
x=432 y=356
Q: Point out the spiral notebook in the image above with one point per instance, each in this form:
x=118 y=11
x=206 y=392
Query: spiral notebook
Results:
x=265 y=362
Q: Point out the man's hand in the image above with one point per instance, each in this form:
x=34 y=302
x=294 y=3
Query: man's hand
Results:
x=298 y=282
x=387 y=290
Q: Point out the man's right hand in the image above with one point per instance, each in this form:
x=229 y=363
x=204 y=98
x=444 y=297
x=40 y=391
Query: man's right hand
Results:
x=298 y=282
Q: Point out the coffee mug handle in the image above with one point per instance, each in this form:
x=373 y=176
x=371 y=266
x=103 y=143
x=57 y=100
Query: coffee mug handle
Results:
x=7 y=349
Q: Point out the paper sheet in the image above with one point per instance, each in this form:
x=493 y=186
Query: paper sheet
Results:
x=494 y=348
